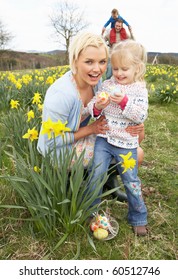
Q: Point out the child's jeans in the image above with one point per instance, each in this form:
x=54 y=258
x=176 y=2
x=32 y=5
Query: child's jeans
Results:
x=103 y=155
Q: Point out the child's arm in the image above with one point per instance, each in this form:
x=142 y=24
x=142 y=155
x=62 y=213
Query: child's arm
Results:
x=124 y=21
x=102 y=101
x=133 y=108
x=98 y=103
x=105 y=25
x=128 y=25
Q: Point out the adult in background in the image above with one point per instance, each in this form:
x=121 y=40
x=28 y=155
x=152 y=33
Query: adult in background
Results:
x=114 y=36
x=112 y=20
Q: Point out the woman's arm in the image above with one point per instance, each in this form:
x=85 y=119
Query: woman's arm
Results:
x=96 y=127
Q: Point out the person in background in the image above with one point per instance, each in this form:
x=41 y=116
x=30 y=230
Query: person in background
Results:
x=123 y=100
x=114 y=16
x=114 y=36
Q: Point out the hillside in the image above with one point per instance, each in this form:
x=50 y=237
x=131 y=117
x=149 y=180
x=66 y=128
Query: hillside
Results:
x=13 y=60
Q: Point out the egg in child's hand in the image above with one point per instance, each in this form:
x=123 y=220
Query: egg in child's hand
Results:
x=103 y=96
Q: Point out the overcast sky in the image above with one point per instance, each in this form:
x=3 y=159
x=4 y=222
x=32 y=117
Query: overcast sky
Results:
x=154 y=22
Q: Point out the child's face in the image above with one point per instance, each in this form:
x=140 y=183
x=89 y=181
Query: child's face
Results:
x=115 y=16
x=124 y=74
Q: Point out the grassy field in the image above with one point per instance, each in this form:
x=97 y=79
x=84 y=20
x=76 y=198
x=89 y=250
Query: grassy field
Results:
x=159 y=175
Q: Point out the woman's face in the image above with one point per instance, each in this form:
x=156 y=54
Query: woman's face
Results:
x=91 y=65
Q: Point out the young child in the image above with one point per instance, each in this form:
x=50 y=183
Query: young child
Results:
x=123 y=100
x=114 y=16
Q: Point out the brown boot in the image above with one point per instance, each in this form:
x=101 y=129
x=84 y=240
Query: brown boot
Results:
x=140 y=230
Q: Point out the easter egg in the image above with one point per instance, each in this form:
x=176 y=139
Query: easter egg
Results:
x=100 y=233
x=94 y=226
x=103 y=96
x=113 y=90
x=102 y=221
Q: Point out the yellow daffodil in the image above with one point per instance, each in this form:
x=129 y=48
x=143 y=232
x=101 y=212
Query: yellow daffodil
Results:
x=60 y=128
x=32 y=134
x=18 y=85
x=128 y=162
x=36 y=169
x=40 y=106
x=54 y=128
x=14 y=104
x=30 y=115
x=48 y=128
x=152 y=87
x=26 y=79
x=36 y=98
x=50 y=80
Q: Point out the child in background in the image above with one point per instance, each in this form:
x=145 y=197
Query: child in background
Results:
x=123 y=100
x=114 y=16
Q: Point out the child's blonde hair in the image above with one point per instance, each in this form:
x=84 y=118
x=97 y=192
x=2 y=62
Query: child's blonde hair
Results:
x=80 y=43
x=131 y=52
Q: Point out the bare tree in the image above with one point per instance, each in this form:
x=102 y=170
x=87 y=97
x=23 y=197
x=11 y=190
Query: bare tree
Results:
x=5 y=36
x=67 y=22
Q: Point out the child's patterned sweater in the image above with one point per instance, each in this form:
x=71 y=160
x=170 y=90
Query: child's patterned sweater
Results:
x=134 y=112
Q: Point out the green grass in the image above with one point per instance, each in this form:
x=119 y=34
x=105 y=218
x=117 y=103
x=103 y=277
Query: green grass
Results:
x=159 y=175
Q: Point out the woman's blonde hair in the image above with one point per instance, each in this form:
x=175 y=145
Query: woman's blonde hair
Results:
x=80 y=43
x=131 y=52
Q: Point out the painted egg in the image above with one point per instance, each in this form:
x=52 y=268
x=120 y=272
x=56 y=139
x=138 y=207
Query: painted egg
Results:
x=103 y=96
x=100 y=233
x=102 y=222
x=94 y=226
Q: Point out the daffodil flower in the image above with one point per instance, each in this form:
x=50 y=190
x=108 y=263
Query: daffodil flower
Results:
x=54 y=128
x=30 y=115
x=14 y=104
x=36 y=98
x=36 y=169
x=40 y=106
x=60 y=128
x=32 y=134
x=50 y=80
x=128 y=162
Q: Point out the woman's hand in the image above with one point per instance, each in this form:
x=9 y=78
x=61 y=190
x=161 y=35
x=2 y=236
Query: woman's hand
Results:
x=96 y=127
x=136 y=129
x=99 y=126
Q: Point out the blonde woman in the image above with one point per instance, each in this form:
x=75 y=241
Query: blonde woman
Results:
x=68 y=97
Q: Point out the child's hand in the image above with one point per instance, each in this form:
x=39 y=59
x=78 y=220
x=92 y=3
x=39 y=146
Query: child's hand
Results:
x=117 y=97
x=103 y=99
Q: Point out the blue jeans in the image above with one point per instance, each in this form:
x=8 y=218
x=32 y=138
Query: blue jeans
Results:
x=103 y=154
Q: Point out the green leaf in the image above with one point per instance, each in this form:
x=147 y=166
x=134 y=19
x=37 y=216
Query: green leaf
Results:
x=61 y=241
